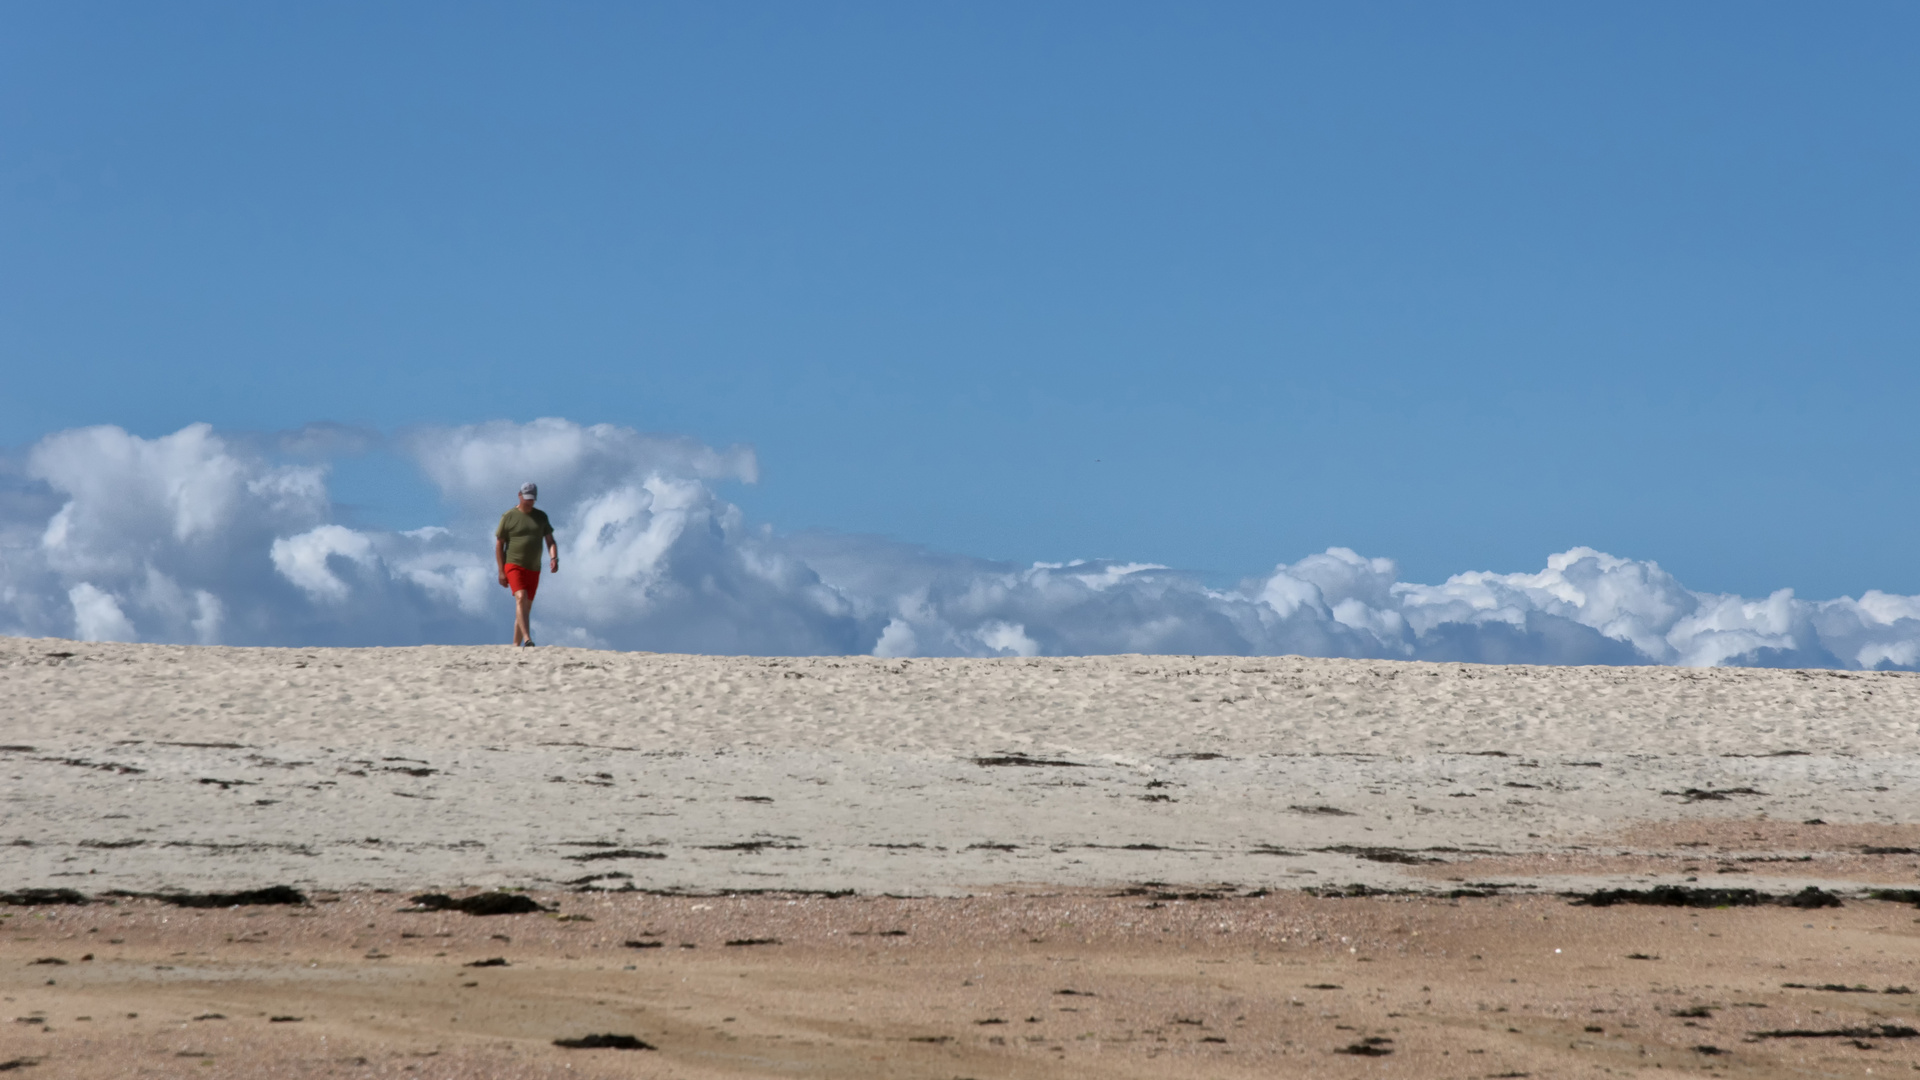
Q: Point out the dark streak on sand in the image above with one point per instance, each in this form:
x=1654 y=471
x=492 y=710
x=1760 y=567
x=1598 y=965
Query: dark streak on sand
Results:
x=754 y=847
x=203 y=745
x=1380 y=855
x=1712 y=794
x=104 y=766
x=1024 y=760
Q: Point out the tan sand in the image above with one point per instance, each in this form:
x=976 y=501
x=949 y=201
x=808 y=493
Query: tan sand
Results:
x=571 y=773
x=1012 y=985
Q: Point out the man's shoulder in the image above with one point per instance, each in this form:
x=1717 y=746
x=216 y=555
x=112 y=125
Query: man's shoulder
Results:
x=536 y=515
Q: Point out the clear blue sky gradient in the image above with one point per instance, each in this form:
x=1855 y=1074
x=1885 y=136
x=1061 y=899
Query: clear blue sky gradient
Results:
x=1212 y=285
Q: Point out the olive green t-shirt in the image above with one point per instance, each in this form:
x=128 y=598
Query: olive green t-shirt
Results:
x=524 y=532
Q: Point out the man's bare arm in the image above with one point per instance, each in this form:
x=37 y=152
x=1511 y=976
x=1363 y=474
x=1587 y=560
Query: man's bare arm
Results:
x=553 y=547
x=500 y=557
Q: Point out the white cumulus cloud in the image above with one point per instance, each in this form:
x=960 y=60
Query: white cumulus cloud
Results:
x=197 y=537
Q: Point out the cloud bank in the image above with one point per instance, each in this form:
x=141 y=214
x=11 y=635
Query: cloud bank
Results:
x=196 y=537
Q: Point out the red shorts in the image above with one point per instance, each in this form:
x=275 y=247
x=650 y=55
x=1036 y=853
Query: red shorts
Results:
x=522 y=579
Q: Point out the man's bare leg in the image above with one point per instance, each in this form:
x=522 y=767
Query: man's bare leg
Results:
x=522 y=618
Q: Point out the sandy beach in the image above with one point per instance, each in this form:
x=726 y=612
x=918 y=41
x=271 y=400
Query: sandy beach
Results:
x=1195 y=835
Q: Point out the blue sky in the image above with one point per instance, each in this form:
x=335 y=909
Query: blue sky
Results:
x=1215 y=285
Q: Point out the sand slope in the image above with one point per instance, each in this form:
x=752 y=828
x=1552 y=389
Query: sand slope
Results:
x=143 y=766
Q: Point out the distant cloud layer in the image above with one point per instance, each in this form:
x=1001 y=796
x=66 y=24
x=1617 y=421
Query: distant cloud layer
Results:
x=196 y=537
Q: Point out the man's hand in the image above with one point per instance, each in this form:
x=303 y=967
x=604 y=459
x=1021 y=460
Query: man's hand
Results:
x=503 y=577
x=553 y=564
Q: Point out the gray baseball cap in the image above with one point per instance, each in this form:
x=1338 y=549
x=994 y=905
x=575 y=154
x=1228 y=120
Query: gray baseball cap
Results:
x=530 y=489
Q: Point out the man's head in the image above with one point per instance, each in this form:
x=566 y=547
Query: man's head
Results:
x=529 y=491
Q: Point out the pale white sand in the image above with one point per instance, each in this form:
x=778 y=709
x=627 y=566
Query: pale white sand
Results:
x=144 y=766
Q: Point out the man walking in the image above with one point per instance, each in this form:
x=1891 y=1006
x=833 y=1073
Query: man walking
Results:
x=516 y=550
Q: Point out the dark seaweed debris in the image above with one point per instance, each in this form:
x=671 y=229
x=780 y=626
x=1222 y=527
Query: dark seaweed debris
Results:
x=492 y=961
x=1353 y=891
x=1809 y=898
x=1837 y=988
x=1712 y=794
x=1381 y=855
x=1681 y=896
x=106 y=766
x=603 y=1042
x=755 y=847
x=586 y=884
x=616 y=853
x=754 y=941
x=493 y=903
x=1155 y=890
x=1024 y=760
x=36 y=897
x=1898 y=896
x=1329 y=811
x=1375 y=1046
x=1873 y=1031
x=272 y=894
